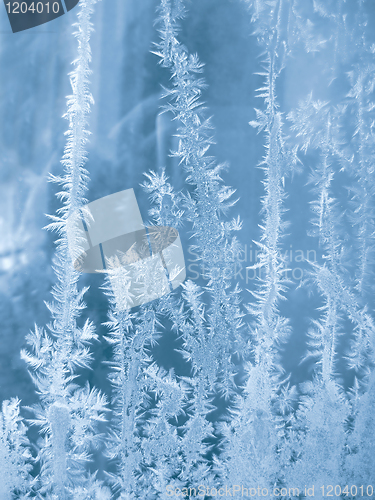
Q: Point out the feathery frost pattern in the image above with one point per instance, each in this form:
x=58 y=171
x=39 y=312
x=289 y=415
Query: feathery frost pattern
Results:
x=210 y=198
x=253 y=437
x=67 y=415
x=202 y=399
x=15 y=456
